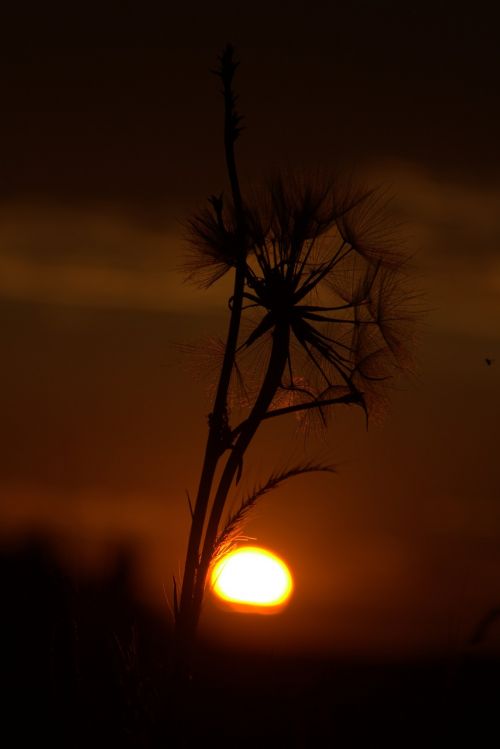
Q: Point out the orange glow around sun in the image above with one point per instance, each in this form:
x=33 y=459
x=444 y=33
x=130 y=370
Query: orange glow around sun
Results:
x=253 y=580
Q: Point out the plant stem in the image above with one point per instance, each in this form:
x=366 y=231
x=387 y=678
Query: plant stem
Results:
x=271 y=382
x=348 y=399
x=185 y=624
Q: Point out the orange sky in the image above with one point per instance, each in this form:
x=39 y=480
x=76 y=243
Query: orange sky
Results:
x=103 y=426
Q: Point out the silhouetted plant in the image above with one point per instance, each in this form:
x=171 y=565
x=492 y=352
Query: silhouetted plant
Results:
x=322 y=282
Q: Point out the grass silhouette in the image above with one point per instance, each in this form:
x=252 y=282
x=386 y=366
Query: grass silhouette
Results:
x=83 y=664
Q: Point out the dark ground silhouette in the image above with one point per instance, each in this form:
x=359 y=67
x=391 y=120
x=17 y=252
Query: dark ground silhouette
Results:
x=83 y=664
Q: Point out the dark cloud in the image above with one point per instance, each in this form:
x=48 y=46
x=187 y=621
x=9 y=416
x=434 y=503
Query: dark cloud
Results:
x=117 y=104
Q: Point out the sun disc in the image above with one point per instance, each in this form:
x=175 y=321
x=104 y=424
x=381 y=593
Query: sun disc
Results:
x=252 y=578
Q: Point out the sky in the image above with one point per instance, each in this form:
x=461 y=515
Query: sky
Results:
x=110 y=137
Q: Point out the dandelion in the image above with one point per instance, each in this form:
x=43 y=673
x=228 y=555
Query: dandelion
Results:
x=321 y=296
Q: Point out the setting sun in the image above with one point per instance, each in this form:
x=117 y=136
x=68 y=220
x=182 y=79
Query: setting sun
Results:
x=251 y=578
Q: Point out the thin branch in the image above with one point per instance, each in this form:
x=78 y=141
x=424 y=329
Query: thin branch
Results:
x=190 y=504
x=234 y=523
x=350 y=398
x=175 y=599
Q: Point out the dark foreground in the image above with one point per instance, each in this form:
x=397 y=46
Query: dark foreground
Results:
x=83 y=665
